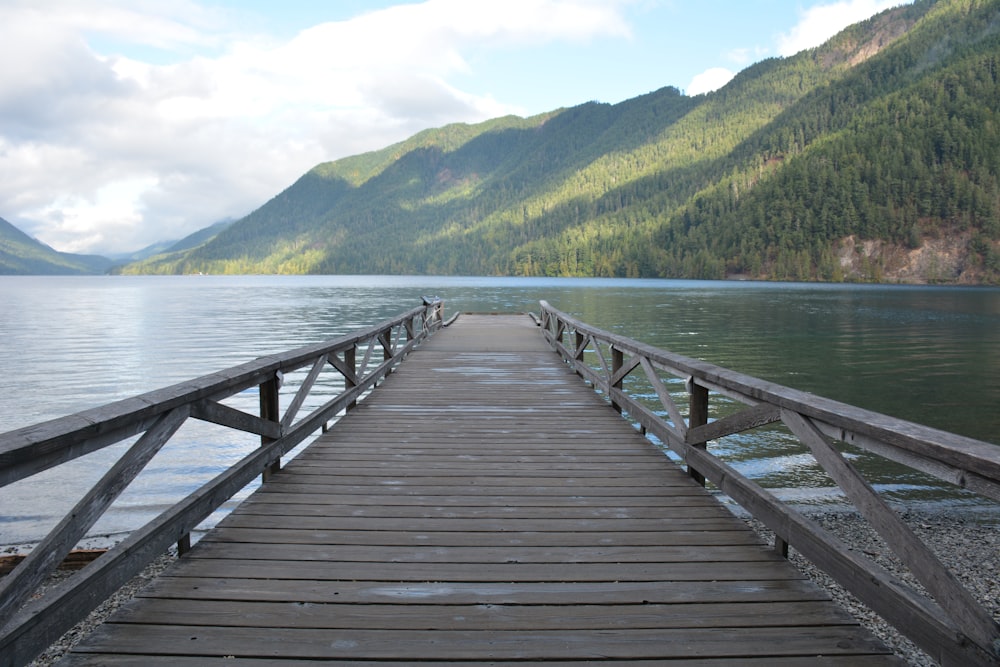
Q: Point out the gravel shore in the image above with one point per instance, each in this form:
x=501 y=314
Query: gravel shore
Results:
x=969 y=543
x=52 y=654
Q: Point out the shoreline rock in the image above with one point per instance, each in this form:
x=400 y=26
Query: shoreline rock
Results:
x=968 y=544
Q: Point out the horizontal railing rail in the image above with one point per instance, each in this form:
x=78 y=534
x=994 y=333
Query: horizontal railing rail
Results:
x=948 y=622
x=358 y=360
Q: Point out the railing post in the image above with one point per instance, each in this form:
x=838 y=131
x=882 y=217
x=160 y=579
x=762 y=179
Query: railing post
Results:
x=433 y=315
x=780 y=546
x=269 y=410
x=697 y=416
x=351 y=361
x=386 y=345
x=617 y=361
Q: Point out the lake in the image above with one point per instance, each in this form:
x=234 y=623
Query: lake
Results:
x=926 y=354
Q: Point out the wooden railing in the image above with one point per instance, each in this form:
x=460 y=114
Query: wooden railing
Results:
x=28 y=627
x=948 y=623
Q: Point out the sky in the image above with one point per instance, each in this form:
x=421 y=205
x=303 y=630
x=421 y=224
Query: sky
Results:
x=128 y=122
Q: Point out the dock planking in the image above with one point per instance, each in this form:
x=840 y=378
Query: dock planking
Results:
x=483 y=505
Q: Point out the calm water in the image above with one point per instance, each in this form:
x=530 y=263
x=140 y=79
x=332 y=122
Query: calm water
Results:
x=930 y=355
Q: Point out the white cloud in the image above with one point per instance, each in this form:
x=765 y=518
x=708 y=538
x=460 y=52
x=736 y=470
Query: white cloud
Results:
x=102 y=149
x=110 y=218
x=820 y=23
x=709 y=80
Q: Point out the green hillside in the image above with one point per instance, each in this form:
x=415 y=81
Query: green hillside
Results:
x=872 y=157
x=22 y=255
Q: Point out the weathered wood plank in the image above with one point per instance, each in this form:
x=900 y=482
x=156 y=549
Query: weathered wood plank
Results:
x=696 y=537
x=106 y=660
x=483 y=644
x=491 y=572
x=573 y=538
x=501 y=521
x=580 y=478
x=466 y=514
x=483 y=554
x=478 y=616
x=687 y=510
x=444 y=489
x=347 y=502
x=388 y=459
x=682 y=593
x=554 y=525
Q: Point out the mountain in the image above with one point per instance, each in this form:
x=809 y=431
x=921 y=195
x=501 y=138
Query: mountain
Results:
x=157 y=248
x=22 y=255
x=875 y=156
x=162 y=247
x=199 y=237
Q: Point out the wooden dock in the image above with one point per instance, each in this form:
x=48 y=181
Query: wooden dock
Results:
x=483 y=506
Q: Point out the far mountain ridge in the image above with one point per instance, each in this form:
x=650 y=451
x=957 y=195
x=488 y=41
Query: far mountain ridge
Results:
x=872 y=157
x=21 y=254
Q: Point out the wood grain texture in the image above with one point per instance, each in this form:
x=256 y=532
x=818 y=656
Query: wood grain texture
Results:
x=482 y=506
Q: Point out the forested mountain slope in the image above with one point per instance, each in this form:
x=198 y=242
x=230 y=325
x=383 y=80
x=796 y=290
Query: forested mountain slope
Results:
x=874 y=157
x=22 y=255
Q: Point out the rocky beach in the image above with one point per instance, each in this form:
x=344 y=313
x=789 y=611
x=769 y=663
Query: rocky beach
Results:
x=967 y=542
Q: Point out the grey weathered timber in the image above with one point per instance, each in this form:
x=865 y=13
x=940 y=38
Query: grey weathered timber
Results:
x=26 y=629
x=51 y=551
x=482 y=506
x=950 y=624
